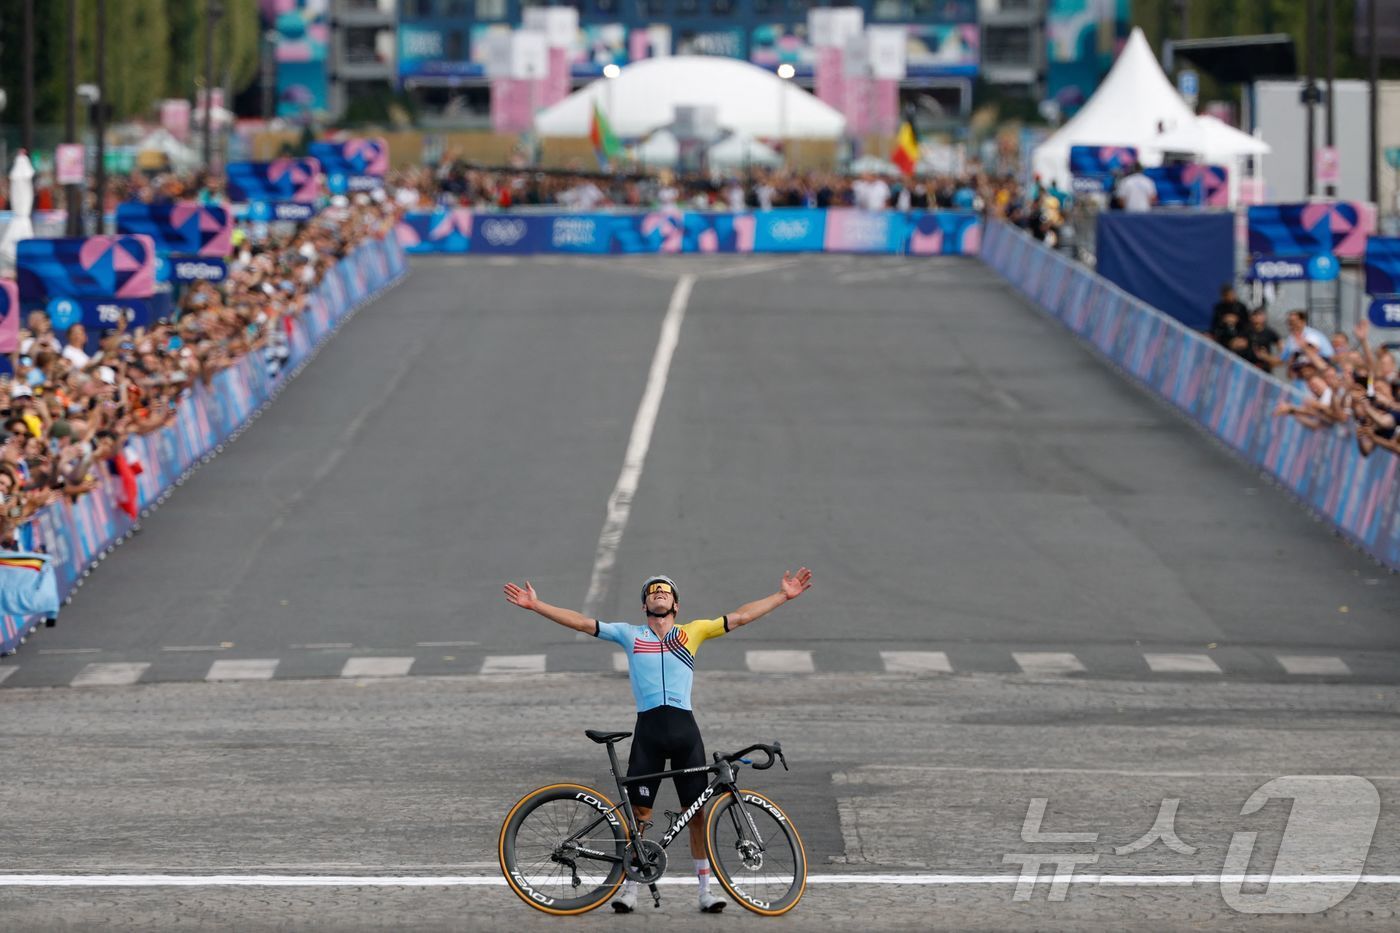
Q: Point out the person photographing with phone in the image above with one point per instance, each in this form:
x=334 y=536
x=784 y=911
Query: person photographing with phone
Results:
x=661 y=658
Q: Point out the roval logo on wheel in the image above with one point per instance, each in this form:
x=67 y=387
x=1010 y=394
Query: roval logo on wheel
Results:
x=503 y=232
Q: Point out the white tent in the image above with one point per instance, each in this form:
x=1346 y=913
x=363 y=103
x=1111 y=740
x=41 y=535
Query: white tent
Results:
x=1132 y=107
x=660 y=150
x=740 y=150
x=644 y=97
x=1212 y=139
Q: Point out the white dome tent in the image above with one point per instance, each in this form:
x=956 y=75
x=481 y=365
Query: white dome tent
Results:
x=644 y=97
x=1132 y=107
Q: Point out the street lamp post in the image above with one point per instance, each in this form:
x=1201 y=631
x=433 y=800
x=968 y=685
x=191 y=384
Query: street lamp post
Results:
x=213 y=9
x=74 y=198
x=28 y=75
x=100 y=124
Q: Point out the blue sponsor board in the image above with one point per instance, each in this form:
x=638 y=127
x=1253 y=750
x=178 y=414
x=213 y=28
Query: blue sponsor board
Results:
x=198 y=269
x=1385 y=311
x=1383 y=265
x=799 y=230
x=340 y=183
x=98 y=314
x=583 y=233
x=268 y=211
x=1320 y=268
x=510 y=234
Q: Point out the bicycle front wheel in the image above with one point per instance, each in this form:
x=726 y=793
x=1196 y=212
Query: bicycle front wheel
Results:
x=756 y=853
x=562 y=847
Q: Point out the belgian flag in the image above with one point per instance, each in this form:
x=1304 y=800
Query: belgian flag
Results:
x=906 y=147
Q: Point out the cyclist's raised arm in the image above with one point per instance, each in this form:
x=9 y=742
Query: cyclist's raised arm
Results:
x=526 y=599
x=793 y=586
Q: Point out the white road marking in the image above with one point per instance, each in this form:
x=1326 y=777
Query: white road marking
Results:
x=5 y=672
x=242 y=669
x=1182 y=664
x=319 y=646
x=620 y=502
x=916 y=662
x=874 y=775
x=493 y=880
x=619 y=662
x=1312 y=664
x=446 y=644
x=70 y=650
x=779 y=662
x=513 y=664
x=376 y=667
x=109 y=675
x=734 y=272
x=1047 y=662
x=222 y=647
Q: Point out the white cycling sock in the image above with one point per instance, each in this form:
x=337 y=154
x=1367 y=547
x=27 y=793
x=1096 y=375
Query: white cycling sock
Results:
x=629 y=887
x=702 y=872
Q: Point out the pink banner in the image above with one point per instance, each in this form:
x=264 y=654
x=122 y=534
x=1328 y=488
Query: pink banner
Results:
x=830 y=77
x=885 y=94
x=9 y=316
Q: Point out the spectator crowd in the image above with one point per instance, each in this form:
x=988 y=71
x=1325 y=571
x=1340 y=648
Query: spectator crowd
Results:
x=73 y=399
x=1346 y=380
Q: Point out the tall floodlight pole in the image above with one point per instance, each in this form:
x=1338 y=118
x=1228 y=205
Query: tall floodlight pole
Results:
x=101 y=121
x=1373 y=53
x=1310 y=99
x=70 y=119
x=1331 y=84
x=211 y=13
x=28 y=76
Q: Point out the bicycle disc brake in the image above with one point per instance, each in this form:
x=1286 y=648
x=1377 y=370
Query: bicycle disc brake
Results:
x=646 y=861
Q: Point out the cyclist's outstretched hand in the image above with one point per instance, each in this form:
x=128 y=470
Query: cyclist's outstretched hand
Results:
x=794 y=585
x=525 y=598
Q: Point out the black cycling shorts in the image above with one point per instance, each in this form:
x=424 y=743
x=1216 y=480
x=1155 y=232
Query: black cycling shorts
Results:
x=662 y=734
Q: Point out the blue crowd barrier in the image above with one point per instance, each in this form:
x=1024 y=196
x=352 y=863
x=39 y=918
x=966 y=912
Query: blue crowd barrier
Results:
x=78 y=534
x=783 y=230
x=1224 y=394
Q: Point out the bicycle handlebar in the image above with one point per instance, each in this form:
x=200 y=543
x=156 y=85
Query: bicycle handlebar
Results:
x=774 y=753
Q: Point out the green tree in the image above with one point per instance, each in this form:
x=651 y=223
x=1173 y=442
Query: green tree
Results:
x=237 y=33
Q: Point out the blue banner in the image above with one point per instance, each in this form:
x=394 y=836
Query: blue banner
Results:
x=923 y=233
x=86 y=267
x=197 y=269
x=98 y=314
x=184 y=228
x=1383 y=265
x=291 y=181
x=1094 y=168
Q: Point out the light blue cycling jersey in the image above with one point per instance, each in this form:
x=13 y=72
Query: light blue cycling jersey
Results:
x=662 y=670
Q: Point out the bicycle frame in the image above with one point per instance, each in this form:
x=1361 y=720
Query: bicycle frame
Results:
x=726 y=777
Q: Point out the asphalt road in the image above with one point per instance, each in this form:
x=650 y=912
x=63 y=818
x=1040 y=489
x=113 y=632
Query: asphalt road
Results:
x=1032 y=581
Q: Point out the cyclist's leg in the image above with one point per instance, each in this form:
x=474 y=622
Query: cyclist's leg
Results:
x=687 y=750
x=648 y=755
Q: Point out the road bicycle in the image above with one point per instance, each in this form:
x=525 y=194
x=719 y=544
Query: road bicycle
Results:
x=566 y=848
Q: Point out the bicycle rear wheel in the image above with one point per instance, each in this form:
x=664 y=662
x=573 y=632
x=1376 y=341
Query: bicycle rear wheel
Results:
x=547 y=845
x=756 y=853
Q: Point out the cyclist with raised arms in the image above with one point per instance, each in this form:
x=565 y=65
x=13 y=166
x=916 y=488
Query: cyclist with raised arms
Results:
x=661 y=663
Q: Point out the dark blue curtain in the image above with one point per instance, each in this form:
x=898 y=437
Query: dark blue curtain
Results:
x=1175 y=262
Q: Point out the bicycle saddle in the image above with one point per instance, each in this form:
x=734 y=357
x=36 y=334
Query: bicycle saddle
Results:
x=605 y=738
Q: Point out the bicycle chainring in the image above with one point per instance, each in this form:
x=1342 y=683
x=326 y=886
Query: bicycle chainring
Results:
x=646 y=861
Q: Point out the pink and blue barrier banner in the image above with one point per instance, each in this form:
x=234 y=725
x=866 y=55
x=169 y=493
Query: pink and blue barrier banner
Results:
x=86 y=267
x=352 y=164
x=1094 y=168
x=1383 y=265
x=180 y=228
x=786 y=230
x=1235 y=401
x=281 y=181
x=1186 y=184
x=76 y=534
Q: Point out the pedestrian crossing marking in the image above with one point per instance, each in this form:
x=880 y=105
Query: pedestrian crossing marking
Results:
x=513 y=664
x=780 y=662
x=1047 y=662
x=110 y=674
x=376 y=667
x=916 y=662
x=242 y=669
x=1312 y=664
x=1182 y=664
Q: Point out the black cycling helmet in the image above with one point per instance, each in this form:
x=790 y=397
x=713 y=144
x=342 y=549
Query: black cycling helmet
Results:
x=646 y=588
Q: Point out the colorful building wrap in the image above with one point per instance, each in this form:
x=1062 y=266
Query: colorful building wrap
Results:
x=786 y=230
x=77 y=534
x=281 y=181
x=86 y=267
x=1230 y=398
x=182 y=228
